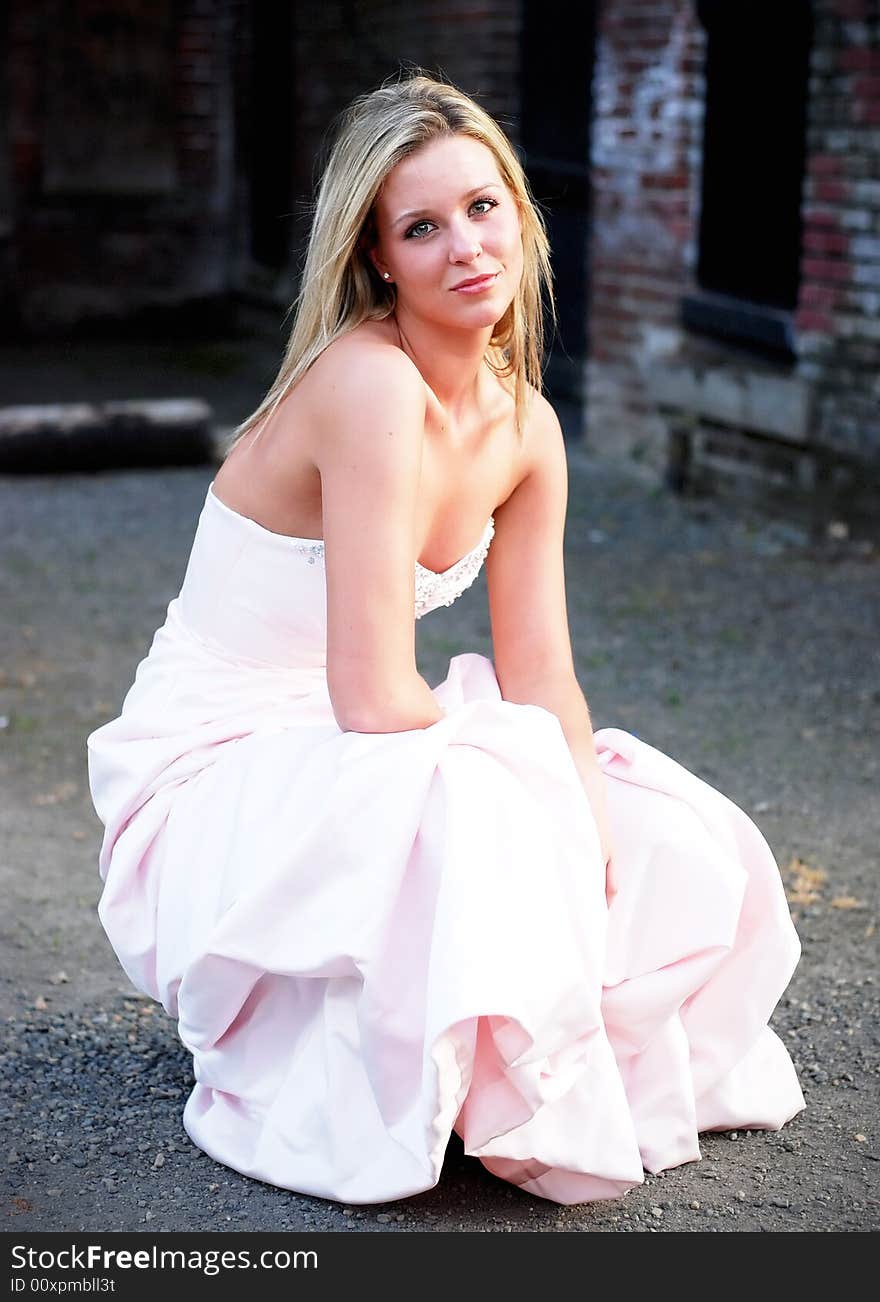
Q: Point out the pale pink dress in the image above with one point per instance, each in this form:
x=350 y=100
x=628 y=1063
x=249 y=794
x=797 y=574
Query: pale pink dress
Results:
x=371 y=939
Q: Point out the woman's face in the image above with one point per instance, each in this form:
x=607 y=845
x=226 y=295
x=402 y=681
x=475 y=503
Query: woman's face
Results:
x=443 y=216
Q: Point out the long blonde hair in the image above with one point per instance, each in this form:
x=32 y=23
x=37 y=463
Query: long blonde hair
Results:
x=340 y=286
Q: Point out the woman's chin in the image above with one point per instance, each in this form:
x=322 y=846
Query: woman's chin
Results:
x=485 y=312
x=472 y=315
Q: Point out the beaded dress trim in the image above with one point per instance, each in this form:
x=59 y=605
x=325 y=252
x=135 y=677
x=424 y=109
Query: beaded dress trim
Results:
x=432 y=589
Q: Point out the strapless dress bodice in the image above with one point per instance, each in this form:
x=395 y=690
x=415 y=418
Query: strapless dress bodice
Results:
x=253 y=593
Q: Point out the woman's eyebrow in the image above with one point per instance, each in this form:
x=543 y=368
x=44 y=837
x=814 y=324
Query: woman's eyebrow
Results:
x=417 y=212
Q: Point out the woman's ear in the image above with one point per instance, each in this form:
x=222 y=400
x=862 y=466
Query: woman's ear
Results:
x=381 y=272
x=371 y=254
x=368 y=246
x=367 y=243
x=367 y=249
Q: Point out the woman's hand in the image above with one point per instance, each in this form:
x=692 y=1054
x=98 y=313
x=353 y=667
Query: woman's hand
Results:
x=567 y=702
x=610 y=880
x=594 y=785
x=607 y=843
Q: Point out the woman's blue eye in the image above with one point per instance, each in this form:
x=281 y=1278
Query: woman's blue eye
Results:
x=493 y=203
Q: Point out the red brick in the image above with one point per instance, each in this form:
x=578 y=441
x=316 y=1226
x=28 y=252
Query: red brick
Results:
x=823 y=241
x=859 y=58
x=825 y=269
x=665 y=181
x=866 y=87
x=851 y=8
x=814 y=322
x=616 y=330
x=614 y=312
x=820 y=295
x=820 y=217
x=611 y=350
x=648 y=293
x=831 y=191
x=825 y=165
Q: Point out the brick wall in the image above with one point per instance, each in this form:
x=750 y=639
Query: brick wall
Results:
x=645 y=174
x=839 y=313
x=152 y=225
x=646 y=159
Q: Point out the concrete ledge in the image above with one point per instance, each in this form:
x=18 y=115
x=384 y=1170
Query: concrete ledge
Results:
x=743 y=428
x=734 y=394
x=52 y=438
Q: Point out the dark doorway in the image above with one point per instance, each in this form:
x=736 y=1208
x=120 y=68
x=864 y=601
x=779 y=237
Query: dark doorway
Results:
x=269 y=132
x=754 y=148
x=556 y=68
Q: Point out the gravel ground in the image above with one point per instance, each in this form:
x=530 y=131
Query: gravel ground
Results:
x=725 y=640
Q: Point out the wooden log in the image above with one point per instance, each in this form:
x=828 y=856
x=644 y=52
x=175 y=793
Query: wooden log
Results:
x=54 y=438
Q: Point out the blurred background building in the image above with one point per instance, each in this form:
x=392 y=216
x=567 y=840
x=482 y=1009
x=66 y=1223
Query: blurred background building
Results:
x=709 y=170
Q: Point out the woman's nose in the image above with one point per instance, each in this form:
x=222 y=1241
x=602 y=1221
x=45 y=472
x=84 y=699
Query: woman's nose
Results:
x=463 y=246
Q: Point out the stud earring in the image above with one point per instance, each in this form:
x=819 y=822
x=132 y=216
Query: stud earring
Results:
x=387 y=275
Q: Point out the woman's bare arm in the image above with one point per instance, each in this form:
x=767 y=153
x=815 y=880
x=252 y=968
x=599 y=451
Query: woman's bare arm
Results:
x=531 y=640
x=368 y=451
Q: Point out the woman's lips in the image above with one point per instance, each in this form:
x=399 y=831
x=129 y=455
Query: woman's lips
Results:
x=479 y=286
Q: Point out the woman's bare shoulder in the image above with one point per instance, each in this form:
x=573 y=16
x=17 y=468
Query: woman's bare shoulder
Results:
x=540 y=426
x=363 y=358
x=366 y=385
x=541 y=422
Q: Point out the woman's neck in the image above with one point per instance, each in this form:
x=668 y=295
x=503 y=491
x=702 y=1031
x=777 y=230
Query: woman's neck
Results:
x=450 y=361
